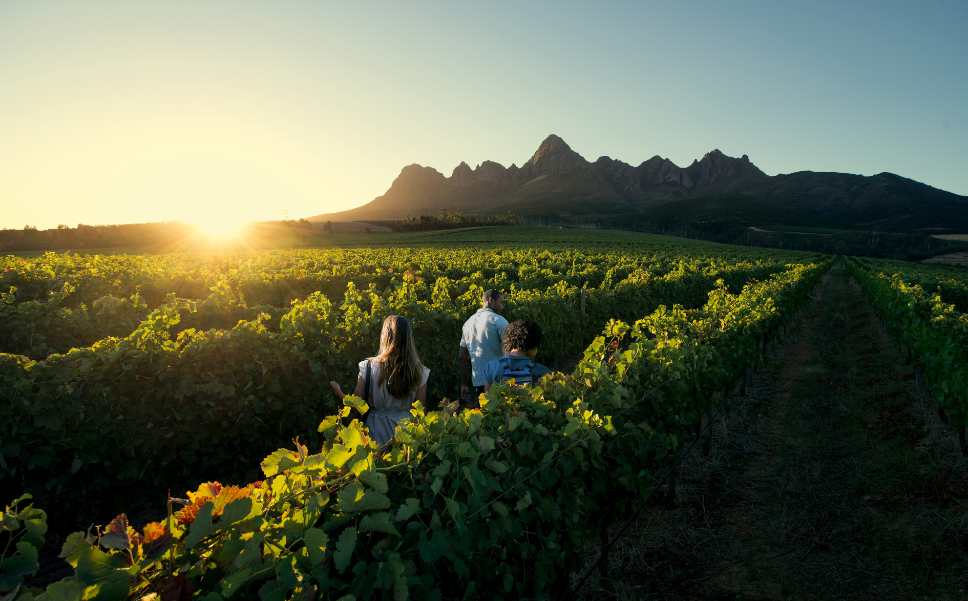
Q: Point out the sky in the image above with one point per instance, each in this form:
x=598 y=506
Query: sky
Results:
x=130 y=112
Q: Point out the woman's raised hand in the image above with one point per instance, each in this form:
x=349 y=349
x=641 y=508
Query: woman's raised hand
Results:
x=337 y=389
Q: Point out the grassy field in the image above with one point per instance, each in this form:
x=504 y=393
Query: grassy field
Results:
x=802 y=229
x=480 y=237
x=954 y=259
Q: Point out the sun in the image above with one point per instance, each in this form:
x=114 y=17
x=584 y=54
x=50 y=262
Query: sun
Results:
x=220 y=227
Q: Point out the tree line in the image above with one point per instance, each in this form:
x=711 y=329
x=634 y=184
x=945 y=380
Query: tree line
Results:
x=444 y=220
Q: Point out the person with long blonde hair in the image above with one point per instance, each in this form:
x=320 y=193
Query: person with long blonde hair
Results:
x=397 y=379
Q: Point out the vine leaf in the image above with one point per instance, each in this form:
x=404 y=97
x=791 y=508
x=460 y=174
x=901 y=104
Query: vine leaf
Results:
x=378 y=522
x=104 y=575
x=115 y=535
x=338 y=456
x=435 y=548
x=239 y=510
x=375 y=480
x=409 y=508
x=344 y=549
x=316 y=541
x=278 y=462
x=202 y=526
x=69 y=589
x=354 y=497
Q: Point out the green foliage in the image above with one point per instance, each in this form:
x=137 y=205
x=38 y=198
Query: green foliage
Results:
x=24 y=527
x=497 y=498
x=169 y=403
x=951 y=283
x=934 y=331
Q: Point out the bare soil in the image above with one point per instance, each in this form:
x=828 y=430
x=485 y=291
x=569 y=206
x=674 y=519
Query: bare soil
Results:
x=832 y=478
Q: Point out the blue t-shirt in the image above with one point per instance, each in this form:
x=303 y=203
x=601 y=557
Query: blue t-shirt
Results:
x=494 y=370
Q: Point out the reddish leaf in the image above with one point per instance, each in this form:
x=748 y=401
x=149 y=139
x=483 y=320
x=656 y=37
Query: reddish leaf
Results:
x=209 y=490
x=153 y=531
x=115 y=535
x=187 y=515
x=227 y=495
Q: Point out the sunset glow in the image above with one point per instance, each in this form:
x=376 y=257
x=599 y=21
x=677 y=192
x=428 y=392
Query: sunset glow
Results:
x=131 y=112
x=221 y=229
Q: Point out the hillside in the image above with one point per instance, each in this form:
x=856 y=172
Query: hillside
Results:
x=556 y=180
x=719 y=214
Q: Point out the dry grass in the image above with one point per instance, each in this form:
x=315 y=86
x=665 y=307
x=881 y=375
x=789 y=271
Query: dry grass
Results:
x=957 y=259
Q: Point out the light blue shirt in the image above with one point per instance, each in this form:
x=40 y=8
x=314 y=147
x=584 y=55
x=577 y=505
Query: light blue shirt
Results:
x=481 y=336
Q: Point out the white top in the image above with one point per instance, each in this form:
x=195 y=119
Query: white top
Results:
x=386 y=410
x=481 y=336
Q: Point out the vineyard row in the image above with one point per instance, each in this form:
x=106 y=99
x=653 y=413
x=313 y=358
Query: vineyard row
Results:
x=498 y=502
x=128 y=417
x=933 y=331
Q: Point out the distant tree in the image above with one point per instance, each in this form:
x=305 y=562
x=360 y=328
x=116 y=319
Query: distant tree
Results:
x=61 y=226
x=31 y=228
x=328 y=227
x=369 y=230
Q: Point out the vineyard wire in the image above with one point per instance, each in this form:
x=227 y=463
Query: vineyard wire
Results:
x=552 y=460
x=607 y=546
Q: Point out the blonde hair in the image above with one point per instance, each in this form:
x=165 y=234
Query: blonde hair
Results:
x=400 y=366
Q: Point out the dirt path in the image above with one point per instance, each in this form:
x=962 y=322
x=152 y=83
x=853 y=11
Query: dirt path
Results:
x=832 y=478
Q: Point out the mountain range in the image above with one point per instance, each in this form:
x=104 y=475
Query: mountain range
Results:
x=556 y=180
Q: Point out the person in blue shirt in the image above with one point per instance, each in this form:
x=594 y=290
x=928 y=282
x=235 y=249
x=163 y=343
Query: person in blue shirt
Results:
x=480 y=343
x=520 y=345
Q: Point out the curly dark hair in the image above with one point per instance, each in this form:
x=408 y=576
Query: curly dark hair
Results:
x=522 y=335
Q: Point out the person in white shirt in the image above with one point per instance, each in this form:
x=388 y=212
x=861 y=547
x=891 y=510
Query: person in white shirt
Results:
x=480 y=343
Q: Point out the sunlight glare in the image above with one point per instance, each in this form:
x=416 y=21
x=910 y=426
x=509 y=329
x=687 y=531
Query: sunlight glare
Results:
x=221 y=227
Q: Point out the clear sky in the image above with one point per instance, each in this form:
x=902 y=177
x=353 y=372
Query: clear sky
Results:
x=123 y=112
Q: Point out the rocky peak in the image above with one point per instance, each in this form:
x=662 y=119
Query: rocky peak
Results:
x=658 y=170
x=555 y=157
x=489 y=171
x=415 y=177
x=716 y=166
x=463 y=175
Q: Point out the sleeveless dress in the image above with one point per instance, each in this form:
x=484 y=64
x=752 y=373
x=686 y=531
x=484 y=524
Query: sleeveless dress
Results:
x=386 y=410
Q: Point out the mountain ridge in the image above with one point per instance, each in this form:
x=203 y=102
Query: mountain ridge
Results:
x=558 y=180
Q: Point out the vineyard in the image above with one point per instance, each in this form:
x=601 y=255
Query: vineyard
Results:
x=126 y=376
x=924 y=309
